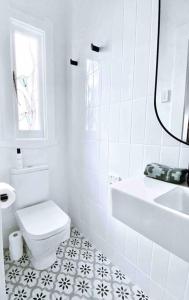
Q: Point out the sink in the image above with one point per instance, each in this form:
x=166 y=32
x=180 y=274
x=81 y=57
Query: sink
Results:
x=157 y=210
x=177 y=200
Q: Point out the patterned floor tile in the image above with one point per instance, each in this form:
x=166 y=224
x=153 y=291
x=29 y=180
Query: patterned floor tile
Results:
x=102 y=272
x=69 y=267
x=80 y=272
x=85 y=269
x=83 y=287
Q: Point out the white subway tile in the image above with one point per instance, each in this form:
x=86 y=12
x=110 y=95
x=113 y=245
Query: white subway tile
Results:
x=177 y=277
x=167 y=140
x=153 y=48
x=160 y=263
x=155 y=291
x=117 y=52
x=168 y=296
x=103 y=156
x=114 y=122
x=141 y=72
x=91 y=155
x=144 y=254
x=105 y=81
x=186 y=294
x=98 y=220
x=104 y=125
x=184 y=157
x=129 y=269
x=153 y=131
x=116 y=79
x=144 y=17
x=104 y=192
x=116 y=235
x=138 y=121
x=90 y=186
x=170 y=156
x=143 y=281
x=151 y=154
x=129 y=36
x=119 y=155
x=117 y=29
x=131 y=245
x=92 y=123
x=125 y=121
x=136 y=159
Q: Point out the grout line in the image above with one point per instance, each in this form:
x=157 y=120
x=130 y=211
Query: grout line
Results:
x=179 y=157
x=133 y=78
x=186 y=287
x=149 y=69
x=152 y=258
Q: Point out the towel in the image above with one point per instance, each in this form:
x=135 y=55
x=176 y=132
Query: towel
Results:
x=165 y=173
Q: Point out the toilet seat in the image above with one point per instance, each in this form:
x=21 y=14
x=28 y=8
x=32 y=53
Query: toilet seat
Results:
x=42 y=220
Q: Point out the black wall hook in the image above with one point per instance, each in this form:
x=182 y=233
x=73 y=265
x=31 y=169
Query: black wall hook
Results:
x=73 y=62
x=95 y=48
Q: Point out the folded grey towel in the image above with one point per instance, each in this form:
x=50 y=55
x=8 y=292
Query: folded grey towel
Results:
x=165 y=173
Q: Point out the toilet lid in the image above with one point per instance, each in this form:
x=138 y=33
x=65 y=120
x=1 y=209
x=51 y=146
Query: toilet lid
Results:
x=42 y=220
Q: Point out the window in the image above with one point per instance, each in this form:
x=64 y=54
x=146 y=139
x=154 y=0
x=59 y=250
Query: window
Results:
x=28 y=63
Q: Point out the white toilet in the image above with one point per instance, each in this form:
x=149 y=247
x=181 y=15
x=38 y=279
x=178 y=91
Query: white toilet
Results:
x=43 y=223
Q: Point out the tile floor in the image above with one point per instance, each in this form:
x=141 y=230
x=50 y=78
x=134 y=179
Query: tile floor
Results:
x=80 y=272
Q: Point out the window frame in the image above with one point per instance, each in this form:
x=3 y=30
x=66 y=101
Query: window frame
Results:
x=25 y=28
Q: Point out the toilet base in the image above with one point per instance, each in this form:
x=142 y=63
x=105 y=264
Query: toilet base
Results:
x=42 y=253
x=42 y=263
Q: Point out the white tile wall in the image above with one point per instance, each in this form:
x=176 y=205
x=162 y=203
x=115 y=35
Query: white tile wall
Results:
x=125 y=121
x=160 y=264
x=155 y=291
x=177 y=277
x=186 y=295
x=130 y=136
x=145 y=248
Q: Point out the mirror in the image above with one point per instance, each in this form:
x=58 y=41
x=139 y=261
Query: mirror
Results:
x=172 y=74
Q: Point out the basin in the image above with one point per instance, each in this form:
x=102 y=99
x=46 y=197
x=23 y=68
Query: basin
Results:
x=157 y=210
x=177 y=200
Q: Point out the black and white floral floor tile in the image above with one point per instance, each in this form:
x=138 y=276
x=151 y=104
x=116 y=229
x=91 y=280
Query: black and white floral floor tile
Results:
x=80 y=272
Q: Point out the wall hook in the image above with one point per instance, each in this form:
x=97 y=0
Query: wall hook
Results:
x=95 y=48
x=73 y=62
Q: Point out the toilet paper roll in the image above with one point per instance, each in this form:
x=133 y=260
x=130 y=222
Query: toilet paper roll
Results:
x=16 y=245
x=7 y=195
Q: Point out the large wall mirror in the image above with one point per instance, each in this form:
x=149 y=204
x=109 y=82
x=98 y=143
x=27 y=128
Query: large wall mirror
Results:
x=172 y=78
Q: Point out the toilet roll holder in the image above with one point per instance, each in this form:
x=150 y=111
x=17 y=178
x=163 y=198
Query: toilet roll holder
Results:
x=7 y=195
x=4 y=197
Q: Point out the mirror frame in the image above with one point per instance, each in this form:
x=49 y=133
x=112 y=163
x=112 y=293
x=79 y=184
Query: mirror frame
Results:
x=156 y=78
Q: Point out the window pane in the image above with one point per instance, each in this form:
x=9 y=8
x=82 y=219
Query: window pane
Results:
x=26 y=56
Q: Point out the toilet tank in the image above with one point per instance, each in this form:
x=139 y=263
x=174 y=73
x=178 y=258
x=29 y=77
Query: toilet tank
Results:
x=31 y=185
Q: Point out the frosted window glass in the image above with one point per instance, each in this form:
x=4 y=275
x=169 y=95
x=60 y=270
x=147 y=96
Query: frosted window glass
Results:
x=27 y=49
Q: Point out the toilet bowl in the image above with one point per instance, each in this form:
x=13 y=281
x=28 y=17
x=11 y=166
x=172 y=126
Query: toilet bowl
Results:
x=43 y=223
x=44 y=226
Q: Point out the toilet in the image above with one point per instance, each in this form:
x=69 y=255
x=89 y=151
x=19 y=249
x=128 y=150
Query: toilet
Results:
x=43 y=223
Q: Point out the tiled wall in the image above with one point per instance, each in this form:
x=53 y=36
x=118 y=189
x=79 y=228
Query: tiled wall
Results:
x=113 y=129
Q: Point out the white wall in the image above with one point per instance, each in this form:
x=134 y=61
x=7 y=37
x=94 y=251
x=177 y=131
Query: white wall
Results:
x=3 y=94
x=119 y=133
x=2 y=271
x=54 y=152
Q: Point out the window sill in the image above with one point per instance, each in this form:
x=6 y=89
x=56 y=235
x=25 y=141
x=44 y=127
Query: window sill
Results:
x=28 y=143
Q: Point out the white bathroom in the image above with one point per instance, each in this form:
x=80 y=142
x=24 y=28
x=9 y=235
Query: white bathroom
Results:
x=94 y=150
